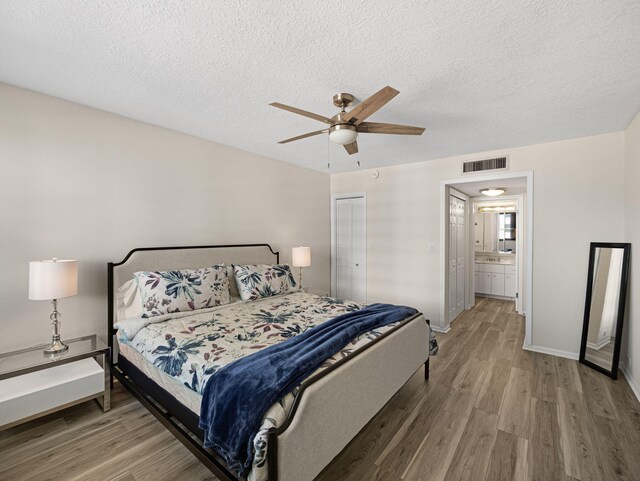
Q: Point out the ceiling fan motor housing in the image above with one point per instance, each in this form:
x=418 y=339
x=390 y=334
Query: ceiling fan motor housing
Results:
x=343 y=100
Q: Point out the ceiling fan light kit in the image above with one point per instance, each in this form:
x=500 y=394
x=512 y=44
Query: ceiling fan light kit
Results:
x=343 y=134
x=344 y=127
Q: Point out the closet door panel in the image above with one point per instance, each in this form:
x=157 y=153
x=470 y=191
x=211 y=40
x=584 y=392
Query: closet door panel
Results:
x=456 y=260
x=358 y=251
x=460 y=275
x=343 y=249
x=351 y=247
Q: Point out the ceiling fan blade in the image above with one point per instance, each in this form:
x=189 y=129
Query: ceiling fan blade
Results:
x=371 y=105
x=352 y=148
x=311 y=115
x=304 y=136
x=396 y=129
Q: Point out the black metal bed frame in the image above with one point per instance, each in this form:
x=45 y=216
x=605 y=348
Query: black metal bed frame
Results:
x=176 y=417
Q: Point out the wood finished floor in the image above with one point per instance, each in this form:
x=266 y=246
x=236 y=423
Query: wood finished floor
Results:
x=490 y=411
x=602 y=357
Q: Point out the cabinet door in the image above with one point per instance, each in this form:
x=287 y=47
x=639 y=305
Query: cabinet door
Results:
x=479 y=232
x=509 y=285
x=475 y=282
x=497 y=284
x=484 y=282
x=490 y=232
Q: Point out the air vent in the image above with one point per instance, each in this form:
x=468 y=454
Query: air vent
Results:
x=499 y=163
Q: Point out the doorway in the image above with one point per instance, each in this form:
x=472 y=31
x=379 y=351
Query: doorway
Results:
x=498 y=245
x=471 y=185
x=349 y=247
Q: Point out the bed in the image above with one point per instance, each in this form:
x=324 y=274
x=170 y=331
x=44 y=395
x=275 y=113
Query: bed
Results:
x=327 y=409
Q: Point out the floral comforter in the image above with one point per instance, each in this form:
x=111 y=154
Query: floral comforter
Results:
x=191 y=347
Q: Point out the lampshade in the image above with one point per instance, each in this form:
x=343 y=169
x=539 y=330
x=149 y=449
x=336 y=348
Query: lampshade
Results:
x=301 y=256
x=343 y=134
x=53 y=279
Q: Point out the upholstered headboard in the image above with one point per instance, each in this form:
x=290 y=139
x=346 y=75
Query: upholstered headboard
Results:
x=170 y=258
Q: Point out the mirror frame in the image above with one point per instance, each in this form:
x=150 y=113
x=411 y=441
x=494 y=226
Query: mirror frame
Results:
x=624 y=284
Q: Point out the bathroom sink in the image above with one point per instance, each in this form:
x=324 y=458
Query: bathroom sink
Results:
x=497 y=260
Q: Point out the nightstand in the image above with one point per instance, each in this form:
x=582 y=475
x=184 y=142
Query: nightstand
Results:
x=33 y=384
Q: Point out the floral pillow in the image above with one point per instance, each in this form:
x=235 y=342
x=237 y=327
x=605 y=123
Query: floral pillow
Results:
x=262 y=280
x=164 y=292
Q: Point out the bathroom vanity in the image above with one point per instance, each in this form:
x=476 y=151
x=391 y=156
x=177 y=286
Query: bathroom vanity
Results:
x=496 y=275
x=495 y=272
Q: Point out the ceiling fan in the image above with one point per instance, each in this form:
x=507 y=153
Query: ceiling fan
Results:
x=344 y=127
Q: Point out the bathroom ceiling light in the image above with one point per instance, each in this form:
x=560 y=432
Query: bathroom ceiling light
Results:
x=493 y=191
x=498 y=208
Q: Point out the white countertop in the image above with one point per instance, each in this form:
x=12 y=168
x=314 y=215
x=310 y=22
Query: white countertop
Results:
x=505 y=262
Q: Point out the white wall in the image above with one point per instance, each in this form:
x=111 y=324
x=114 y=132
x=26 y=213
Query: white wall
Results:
x=81 y=183
x=631 y=336
x=575 y=182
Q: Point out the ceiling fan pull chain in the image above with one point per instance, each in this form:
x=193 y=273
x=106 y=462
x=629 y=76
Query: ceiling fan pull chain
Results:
x=328 y=154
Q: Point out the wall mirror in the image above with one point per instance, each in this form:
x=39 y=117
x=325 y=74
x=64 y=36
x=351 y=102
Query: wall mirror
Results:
x=607 y=283
x=495 y=232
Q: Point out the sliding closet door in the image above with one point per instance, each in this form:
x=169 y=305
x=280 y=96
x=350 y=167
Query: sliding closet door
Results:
x=350 y=236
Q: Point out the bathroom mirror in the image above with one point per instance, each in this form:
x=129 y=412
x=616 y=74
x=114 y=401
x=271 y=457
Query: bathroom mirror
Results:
x=607 y=282
x=495 y=232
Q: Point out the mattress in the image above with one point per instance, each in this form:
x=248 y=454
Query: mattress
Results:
x=179 y=352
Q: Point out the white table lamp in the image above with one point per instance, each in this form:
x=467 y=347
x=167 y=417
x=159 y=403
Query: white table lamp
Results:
x=301 y=257
x=53 y=279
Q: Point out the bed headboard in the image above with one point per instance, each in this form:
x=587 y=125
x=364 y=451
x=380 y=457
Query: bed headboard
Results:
x=168 y=258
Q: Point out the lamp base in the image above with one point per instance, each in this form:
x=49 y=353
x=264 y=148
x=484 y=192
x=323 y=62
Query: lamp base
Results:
x=56 y=347
x=300 y=281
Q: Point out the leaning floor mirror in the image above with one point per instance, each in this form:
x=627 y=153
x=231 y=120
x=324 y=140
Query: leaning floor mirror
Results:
x=605 y=305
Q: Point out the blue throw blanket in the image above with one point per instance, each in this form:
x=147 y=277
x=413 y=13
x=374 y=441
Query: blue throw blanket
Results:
x=236 y=398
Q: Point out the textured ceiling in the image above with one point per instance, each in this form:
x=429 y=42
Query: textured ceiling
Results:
x=479 y=75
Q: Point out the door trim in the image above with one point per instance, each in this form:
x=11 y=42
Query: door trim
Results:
x=334 y=199
x=528 y=262
x=519 y=199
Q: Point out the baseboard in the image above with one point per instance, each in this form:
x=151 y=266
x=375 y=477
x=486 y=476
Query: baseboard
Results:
x=553 y=352
x=442 y=330
x=634 y=387
x=574 y=355
x=599 y=345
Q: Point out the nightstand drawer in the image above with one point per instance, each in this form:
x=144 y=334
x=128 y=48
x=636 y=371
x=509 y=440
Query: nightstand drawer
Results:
x=38 y=392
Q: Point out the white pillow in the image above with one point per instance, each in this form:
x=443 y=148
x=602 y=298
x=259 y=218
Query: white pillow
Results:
x=128 y=301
